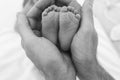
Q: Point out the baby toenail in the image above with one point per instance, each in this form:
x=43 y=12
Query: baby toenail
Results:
x=70 y=8
x=75 y=12
x=46 y=10
x=45 y=13
x=58 y=9
x=77 y=16
x=49 y=8
x=64 y=9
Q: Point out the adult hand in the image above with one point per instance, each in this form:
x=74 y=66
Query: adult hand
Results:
x=43 y=53
x=84 y=44
x=84 y=48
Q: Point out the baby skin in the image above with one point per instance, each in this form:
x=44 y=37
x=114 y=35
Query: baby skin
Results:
x=59 y=25
x=68 y=25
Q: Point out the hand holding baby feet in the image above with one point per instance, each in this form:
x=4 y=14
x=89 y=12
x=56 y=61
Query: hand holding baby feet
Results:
x=84 y=44
x=48 y=58
x=41 y=51
x=84 y=48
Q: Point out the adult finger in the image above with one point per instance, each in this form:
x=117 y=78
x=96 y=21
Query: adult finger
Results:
x=63 y=2
x=34 y=15
x=27 y=5
x=26 y=1
x=37 y=9
x=87 y=31
x=23 y=28
x=87 y=16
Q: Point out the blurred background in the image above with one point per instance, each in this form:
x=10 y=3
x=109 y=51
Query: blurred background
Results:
x=14 y=65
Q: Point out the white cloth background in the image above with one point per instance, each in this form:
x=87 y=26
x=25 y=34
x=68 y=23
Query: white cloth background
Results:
x=14 y=65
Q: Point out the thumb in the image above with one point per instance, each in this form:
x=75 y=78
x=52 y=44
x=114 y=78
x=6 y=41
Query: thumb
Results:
x=23 y=28
x=28 y=4
x=87 y=15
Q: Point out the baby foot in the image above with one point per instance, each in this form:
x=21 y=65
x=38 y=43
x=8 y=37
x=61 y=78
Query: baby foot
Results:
x=76 y=5
x=68 y=22
x=50 y=22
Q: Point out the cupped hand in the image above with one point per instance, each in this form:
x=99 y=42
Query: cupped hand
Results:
x=84 y=45
x=43 y=53
x=33 y=12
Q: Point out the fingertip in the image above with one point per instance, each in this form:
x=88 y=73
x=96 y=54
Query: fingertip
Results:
x=23 y=27
x=88 y=4
x=87 y=23
x=39 y=6
x=22 y=19
x=87 y=12
x=28 y=6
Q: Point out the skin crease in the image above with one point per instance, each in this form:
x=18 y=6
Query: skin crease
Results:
x=82 y=54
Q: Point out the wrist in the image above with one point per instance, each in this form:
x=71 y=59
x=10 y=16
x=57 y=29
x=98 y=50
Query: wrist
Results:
x=102 y=74
x=91 y=70
x=86 y=69
x=58 y=72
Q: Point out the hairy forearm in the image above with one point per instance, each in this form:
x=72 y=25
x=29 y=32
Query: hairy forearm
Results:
x=90 y=70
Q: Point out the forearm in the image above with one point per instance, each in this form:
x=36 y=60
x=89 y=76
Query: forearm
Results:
x=102 y=74
x=60 y=76
x=90 y=70
x=58 y=72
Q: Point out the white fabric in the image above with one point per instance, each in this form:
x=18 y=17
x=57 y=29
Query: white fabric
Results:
x=14 y=65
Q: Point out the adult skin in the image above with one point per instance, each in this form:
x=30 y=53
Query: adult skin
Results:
x=35 y=47
x=84 y=44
